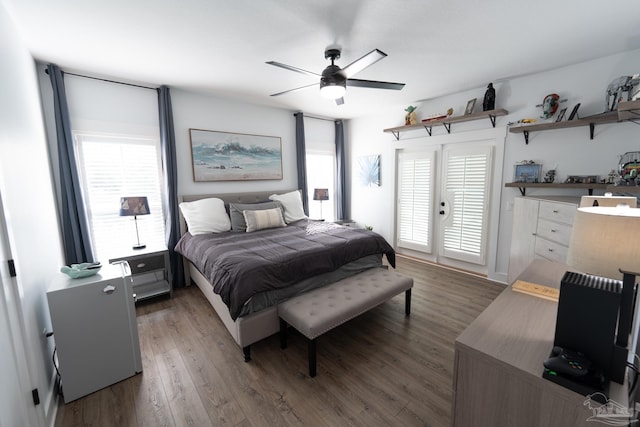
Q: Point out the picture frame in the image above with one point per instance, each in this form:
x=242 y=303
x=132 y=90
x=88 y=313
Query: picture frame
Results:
x=369 y=170
x=229 y=156
x=574 y=112
x=527 y=172
x=561 y=115
x=471 y=104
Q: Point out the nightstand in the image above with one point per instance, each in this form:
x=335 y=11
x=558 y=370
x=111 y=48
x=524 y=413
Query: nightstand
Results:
x=150 y=272
x=348 y=223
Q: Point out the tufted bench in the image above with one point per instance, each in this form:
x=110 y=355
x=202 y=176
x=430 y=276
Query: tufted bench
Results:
x=318 y=311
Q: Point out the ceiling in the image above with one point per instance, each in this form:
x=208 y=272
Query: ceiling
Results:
x=436 y=47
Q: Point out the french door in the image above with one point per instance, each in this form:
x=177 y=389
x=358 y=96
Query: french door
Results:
x=443 y=196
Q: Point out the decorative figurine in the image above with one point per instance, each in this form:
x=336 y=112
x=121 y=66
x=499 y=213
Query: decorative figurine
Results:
x=550 y=176
x=489 y=102
x=410 y=118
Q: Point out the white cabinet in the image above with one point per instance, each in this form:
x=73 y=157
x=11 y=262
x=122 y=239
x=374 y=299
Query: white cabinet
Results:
x=95 y=330
x=541 y=229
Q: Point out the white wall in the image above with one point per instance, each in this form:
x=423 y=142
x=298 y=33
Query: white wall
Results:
x=197 y=111
x=29 y=209
x=570 y=151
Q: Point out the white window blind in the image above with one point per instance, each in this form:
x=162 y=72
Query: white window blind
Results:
x=415 y=200
x=466 y=193
x=111 y=167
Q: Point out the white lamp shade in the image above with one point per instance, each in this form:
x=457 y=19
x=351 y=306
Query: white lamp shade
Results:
x=605 y=240
x=332 y=91
x=608 y=200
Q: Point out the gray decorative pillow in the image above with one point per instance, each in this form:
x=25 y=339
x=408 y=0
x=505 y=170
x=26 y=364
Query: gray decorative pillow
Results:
x=263 y=219
x=235 y=212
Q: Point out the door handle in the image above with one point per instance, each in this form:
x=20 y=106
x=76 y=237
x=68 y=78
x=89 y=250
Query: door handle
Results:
x=441 y=212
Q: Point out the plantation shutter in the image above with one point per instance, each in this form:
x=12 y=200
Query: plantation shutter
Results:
x=415 y=200
x=466 y=176
x=112 y=167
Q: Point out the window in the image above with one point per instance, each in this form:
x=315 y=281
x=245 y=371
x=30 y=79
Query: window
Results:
x=415 y=200
x=111 y=167
x=321 y=173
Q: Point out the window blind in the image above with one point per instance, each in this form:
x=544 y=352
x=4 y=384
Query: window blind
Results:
x=415 y=200
x=466 y=185
x=116 y=166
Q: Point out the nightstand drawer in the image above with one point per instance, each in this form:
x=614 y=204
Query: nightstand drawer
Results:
x=143 y=265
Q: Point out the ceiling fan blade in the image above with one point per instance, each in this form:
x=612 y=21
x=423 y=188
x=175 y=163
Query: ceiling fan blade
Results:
x=374 y=84
x=340 y=101
x=360 y=64
x=291 y=68
x=293 y=90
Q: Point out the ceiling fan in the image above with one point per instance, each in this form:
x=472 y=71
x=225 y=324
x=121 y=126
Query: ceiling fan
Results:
x=334 y=80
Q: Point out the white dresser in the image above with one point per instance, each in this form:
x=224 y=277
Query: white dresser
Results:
x=95 y=330
x=541 y=229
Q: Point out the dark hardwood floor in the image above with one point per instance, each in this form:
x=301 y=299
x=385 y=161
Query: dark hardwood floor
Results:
x=379 y=369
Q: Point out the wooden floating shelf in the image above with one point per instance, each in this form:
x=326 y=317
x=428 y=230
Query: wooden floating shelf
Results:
x=447 y=121
x=626 y=111
x=522 y=186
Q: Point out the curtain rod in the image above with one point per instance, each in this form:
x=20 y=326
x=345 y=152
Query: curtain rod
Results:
x=317 y=118
x=106 y=80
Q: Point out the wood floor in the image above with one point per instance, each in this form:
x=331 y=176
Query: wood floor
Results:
x=379 y=369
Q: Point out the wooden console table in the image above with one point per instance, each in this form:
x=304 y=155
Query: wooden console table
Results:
x=498 y=363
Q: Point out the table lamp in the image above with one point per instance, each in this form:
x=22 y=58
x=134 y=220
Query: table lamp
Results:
x=605 y=243
x=134 y=206
x=321 y=194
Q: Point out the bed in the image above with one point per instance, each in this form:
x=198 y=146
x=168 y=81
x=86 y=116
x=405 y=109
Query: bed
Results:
x=244 y=275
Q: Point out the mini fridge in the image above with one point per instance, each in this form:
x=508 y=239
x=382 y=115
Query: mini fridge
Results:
x=95 y=330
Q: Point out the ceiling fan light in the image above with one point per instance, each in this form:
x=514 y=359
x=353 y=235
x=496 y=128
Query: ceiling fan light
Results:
x=333 y=91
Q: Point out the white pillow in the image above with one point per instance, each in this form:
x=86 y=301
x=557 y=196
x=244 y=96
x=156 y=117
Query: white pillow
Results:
x=292 y=204
x=205 y=216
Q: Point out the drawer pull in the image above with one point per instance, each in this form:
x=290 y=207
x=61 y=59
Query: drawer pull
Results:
x=553 y=230
x=550 y=250
x=555 y=211
x=109 y=289
x=141 y=265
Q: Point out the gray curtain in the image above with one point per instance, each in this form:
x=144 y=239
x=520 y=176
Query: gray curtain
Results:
x=301 y=156
x=341 y=183
x=170 y=173
x=76 y=237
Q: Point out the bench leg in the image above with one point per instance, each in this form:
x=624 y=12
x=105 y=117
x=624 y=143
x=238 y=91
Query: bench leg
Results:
x=247 y=353
x=407 y=302
x=283 y=334
x=312 y=358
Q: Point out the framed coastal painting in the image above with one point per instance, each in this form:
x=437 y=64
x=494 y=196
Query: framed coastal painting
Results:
x=226 y=156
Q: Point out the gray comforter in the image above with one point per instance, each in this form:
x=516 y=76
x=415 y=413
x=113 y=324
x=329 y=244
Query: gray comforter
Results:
x=240 y=265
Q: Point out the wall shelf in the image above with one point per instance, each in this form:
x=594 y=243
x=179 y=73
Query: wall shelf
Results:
x=629 y=110
x=447 y=121
x=522 y=186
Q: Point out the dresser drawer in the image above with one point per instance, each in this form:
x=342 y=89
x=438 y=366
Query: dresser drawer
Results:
x=556 y=231
x=150 y=263
x=551 y=250
x=560 y=212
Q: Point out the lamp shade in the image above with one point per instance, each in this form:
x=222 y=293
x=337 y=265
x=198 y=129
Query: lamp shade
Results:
x=134 y=206
x=605 y=240
x=333 y=83
x=608 y=200
x=321 y=194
